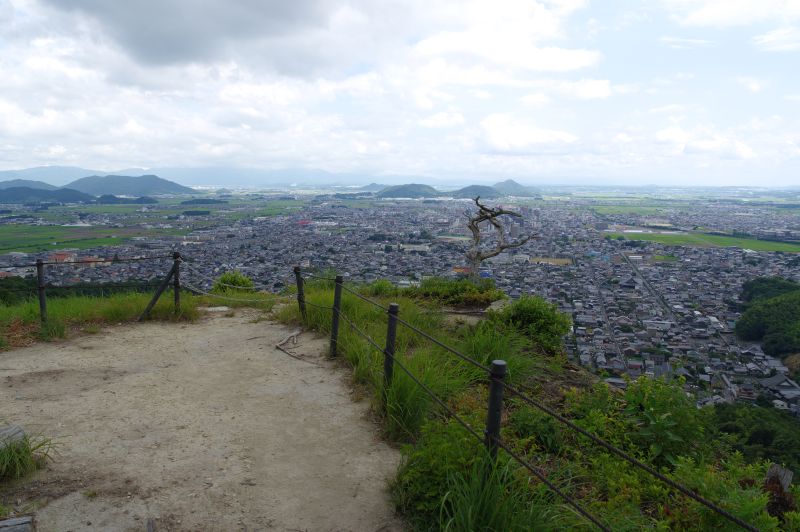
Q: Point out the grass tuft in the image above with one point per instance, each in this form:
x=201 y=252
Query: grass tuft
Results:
x=23 y=457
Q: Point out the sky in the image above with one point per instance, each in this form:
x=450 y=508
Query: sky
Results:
x=668 y=92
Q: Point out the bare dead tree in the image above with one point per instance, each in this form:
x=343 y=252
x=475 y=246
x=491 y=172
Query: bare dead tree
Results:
x=475 y=254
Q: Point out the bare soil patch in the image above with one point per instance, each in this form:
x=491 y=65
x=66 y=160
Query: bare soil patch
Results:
x=201 y=426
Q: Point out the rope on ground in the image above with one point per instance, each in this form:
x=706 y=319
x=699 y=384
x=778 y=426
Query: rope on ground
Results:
x=371 y=302
x=555 y=489
x=444 y=346
x=622 y=454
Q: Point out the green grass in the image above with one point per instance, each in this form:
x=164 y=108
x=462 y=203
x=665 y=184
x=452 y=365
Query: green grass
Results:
x=20 y=324
x=706 y=240
x=24 y=457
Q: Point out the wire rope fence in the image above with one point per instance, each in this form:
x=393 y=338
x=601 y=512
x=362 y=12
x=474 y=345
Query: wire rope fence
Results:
x=498 y=386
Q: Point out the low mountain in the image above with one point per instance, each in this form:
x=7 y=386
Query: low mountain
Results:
x=372 y=187
x=35 y=195
x=509 y=187
x=110 y=199
x=474 y=191
x=120 y=185
x=40 y=185
x=412 y=190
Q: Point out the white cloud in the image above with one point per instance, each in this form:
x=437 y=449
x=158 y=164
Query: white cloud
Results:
x=506 y=134
x=724 y=13
x=443 y=120
x=682 y=43
x=536 y=98
x=751 y=84
x=779 y=40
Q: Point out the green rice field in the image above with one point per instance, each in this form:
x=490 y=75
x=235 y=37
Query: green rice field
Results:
x=706 y=240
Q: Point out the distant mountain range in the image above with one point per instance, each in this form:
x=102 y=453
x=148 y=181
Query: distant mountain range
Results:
x=38 y=195
x=415 y=190
x=229 y=177
x=86 y=188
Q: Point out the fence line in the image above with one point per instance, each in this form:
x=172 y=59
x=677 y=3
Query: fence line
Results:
x=497 y=386
x=90 y=261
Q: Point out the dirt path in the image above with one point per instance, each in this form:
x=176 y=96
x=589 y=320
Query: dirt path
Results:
x=201 y=426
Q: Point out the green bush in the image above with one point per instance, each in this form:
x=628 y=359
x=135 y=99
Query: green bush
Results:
x=539 y=320
x=232 y=281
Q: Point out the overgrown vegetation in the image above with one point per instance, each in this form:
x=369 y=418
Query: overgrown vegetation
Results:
x=452 y=292
x=772 y=315
x=444 y=482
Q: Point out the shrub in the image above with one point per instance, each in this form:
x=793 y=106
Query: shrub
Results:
x=232 y=281
x=539 y=320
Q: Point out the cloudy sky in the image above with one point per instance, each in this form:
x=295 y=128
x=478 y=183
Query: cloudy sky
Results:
x=572 y=91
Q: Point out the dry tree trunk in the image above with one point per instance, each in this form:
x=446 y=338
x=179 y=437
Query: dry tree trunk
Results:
x=475 y=255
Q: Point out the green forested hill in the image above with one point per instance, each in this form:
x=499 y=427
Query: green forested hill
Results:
x=772 y=315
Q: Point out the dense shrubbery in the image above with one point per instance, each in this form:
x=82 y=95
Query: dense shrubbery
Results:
x=443 y=481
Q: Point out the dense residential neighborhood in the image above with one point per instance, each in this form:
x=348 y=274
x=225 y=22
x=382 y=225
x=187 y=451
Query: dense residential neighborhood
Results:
x=638 y=308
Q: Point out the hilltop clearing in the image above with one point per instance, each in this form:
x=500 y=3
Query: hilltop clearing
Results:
x=202 y=426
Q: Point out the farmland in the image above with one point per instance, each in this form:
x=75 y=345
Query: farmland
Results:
x=707 y=240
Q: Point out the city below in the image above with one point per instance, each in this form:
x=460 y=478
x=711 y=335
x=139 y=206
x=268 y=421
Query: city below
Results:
x=651 y=277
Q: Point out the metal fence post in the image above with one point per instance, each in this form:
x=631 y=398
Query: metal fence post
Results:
x=388 y=353
x=301 y=298
x=40 y=288
x=497 y=373
x=337 y=303
x=176 y=280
